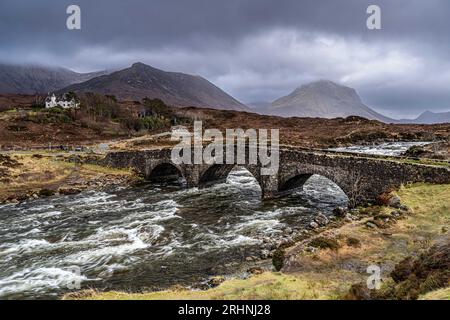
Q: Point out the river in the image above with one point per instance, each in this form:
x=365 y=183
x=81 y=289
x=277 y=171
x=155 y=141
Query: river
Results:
x=385 y=149
x=148 y=237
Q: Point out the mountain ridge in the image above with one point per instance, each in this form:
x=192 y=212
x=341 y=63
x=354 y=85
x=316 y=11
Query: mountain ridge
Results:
x=174 y=88
x=430 y=117
x=35 y=79
x=323 y=99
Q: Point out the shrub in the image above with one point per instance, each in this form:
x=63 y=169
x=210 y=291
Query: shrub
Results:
x=278 y=259
x=324 y=243
x=353 y=242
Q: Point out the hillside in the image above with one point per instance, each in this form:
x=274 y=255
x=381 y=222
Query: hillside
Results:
x=323 y=99
x=29 y=79
x=177 y=89
x=429 y=117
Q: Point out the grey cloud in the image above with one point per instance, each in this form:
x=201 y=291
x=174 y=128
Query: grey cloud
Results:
x=254 y=49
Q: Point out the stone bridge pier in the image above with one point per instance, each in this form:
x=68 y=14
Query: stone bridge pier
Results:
x=361 y=178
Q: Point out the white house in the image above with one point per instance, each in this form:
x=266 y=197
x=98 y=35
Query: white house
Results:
x=52 y=101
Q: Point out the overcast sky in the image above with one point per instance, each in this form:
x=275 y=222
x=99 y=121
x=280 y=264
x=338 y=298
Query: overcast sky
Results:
x=256 y=50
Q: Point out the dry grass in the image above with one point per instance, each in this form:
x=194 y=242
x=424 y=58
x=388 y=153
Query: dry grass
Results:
x=442 y=294
x=31 y=172
x=268 y=285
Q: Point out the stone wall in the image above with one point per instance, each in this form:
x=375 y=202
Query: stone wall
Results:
x=362 y=179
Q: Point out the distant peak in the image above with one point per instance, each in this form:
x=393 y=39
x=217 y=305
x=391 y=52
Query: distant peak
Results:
x=138 y=64
x=323 y=83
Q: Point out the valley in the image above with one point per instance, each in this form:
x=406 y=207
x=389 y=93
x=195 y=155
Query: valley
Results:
x=131 y=237
x=22 y=127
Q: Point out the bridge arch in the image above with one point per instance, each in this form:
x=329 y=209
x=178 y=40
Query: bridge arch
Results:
x=362 y=178
x=164 y=171
x=218 y=173
x=296 y=181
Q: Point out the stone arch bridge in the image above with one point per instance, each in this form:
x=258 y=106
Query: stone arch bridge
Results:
x=361 y=177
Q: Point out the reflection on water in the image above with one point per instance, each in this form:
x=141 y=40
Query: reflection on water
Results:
x=146 y=237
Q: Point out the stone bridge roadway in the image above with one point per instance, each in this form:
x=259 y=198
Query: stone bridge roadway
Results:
x=361 y=178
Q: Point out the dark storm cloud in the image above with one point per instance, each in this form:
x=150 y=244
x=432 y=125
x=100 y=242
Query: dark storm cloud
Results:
x=254 y=49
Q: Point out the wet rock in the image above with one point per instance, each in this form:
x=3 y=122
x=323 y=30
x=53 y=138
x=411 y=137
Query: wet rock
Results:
x=266 y=240
x=255 y=270
x=339 y=212
x=251 y=258
x=85 y=216
x=215 y=281
x=321 y=219
x=313 y=225
x=69 y=191
x=46 y=192
x=396 y=213
x=395 y=202
x=265 y=254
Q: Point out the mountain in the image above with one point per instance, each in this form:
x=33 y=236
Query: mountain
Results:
x=323 y=99
x=429 y=117
x=27 y=79
x=177 y=89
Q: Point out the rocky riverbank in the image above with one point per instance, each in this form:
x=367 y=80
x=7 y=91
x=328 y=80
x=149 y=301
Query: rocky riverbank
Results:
x=330 y=260
x=439 y=150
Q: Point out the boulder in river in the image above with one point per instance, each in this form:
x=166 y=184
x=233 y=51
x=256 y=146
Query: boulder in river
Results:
x=314 y=225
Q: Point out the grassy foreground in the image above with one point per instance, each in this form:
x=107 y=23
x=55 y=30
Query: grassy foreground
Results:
x=442 y=294
x=268 y=285
x=329 y=273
